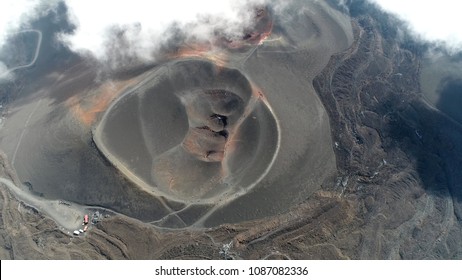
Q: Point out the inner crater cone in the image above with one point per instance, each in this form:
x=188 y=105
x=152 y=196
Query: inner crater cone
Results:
x=212 y=114
x=192 y=132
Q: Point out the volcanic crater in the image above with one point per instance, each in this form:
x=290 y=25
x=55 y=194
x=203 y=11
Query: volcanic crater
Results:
x=224 y=131
x=185 y=121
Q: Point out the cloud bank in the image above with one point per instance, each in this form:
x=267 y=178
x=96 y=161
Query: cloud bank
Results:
x=12 y=14
x=144 y=26
x=135 y=28
x=434 y=21
x=138 y=28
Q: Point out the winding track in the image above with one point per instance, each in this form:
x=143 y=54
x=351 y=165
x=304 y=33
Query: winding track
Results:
x=69 y=218
x=37 y=51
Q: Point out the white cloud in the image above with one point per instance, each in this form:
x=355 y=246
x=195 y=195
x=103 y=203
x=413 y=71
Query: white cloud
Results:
x=436 y=21
x=12 y=13
x=145 y=23
x=5 y=75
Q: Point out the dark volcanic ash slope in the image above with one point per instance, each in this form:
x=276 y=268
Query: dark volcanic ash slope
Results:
x=399 y=159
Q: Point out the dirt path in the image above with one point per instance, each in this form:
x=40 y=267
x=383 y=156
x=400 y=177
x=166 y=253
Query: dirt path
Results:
x=37 y=51
x=67 y=216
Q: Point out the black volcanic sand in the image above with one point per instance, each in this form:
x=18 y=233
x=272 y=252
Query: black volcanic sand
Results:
x=193 y=144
